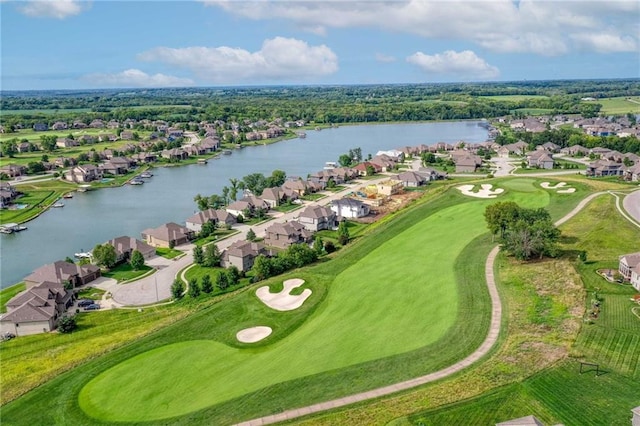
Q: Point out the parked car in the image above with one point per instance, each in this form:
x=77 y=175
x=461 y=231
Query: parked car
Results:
x=92 y=307
x=85 y=302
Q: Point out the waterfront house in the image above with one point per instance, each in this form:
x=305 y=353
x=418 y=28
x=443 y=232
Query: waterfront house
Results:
x=217 y=217
x=210 y=144
x=410 y=179
x=117 y=165
x=362 y=168
x=298 y=186
x=350 y=208
x=144 y=157
x=174 y=154
x=168 y=235
x=126 y=245
x=282 y=235
x=273 y=196
x=629 y=268
x=83 y=173
x=242 y=254
x=316 y=218
x=36 y=310
x=61 y=272
x=7 y=194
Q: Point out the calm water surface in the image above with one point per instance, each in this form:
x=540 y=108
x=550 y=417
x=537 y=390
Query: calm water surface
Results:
x=94 y=217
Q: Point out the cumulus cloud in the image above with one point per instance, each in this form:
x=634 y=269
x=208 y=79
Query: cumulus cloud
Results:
x=278 y=59
x=537 y=26
x=58 y=9
x=605 y=43
x=381 y=57
x=465 y=64
x=136 y=78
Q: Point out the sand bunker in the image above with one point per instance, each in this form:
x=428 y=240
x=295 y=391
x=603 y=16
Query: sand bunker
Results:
x=485 y=191
x=283 y=301
x=559 y=187
x=253 y=334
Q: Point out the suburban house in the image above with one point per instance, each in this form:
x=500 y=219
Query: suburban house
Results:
x=41 y=127
x=24 y=147
x=250 y=203
x=210 y=144
x=282 y=235
x=350 y=208
x=117 y=165
x=605 y=168
x=7 y=194
x=242 y=254
x=66 y=143
x=61 y=272
x=629 y=268
x=13 y=170
x=411 y=179
x=316 y=218
x=540 y=158
x=59 y=125
x=216 y=217
x=126 y=245
x=550 y=147
x=635 y=420
x=362 y=168
x=36 y=310
x=298 y=186
x=633 y=173
x=468 y=163
x=83 y=173
x=168 y=235
x=144 y=157
x=174 y=154
x=431 y=174
x=273 y=196
x=575 y=150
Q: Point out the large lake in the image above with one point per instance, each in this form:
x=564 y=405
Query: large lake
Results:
x=94 y=217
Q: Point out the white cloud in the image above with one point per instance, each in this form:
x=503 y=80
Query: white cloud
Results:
x=58 y=9
x=465 y=64
x=539 y=26
x=136 y=78
x=381 y=57
x=278 y=59
x=605 y=43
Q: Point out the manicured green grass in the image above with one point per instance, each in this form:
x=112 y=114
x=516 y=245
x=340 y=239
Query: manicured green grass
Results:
x=7 y=293
x=36 y=201
x=559 y=395
x=434 y=233
x=168 y=253
x=284 y=208
x=619 y=105
x=218 y=234
x=313 y=197
x=90 y=293
x=125 y=272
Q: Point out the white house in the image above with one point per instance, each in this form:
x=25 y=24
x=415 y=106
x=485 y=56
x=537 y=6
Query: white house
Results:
x=350 y=208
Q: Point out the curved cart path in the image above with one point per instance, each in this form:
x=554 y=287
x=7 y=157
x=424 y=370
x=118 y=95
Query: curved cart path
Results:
x=631 y=204
x=489 y=341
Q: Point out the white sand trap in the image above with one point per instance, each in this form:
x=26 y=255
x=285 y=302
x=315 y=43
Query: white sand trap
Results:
x=253 y=334
x=283 y=301
x=566 y=191
x=485 y=191
x=547 y=185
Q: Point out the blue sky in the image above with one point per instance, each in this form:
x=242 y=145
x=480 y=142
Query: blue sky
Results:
x=70 y=44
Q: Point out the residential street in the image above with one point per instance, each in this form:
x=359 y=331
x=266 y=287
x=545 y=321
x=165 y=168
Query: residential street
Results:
x=157 y=287
x=631 y=204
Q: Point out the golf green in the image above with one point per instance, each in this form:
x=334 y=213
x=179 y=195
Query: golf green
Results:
x=400 y=297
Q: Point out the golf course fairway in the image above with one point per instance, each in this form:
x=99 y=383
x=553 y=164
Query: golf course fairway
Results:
x=399 y=297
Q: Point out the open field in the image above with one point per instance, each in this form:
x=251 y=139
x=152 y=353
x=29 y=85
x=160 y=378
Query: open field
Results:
x=619 y=105
x=5 y=112
x=558 y=394
x=533 y=111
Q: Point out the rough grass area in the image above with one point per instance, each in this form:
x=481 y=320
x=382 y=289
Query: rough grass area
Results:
x=7 y=293
x=559 y=395
x=619 y=105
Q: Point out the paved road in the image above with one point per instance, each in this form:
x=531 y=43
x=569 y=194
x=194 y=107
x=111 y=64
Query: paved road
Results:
x=490 y=340
x=631 y=204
